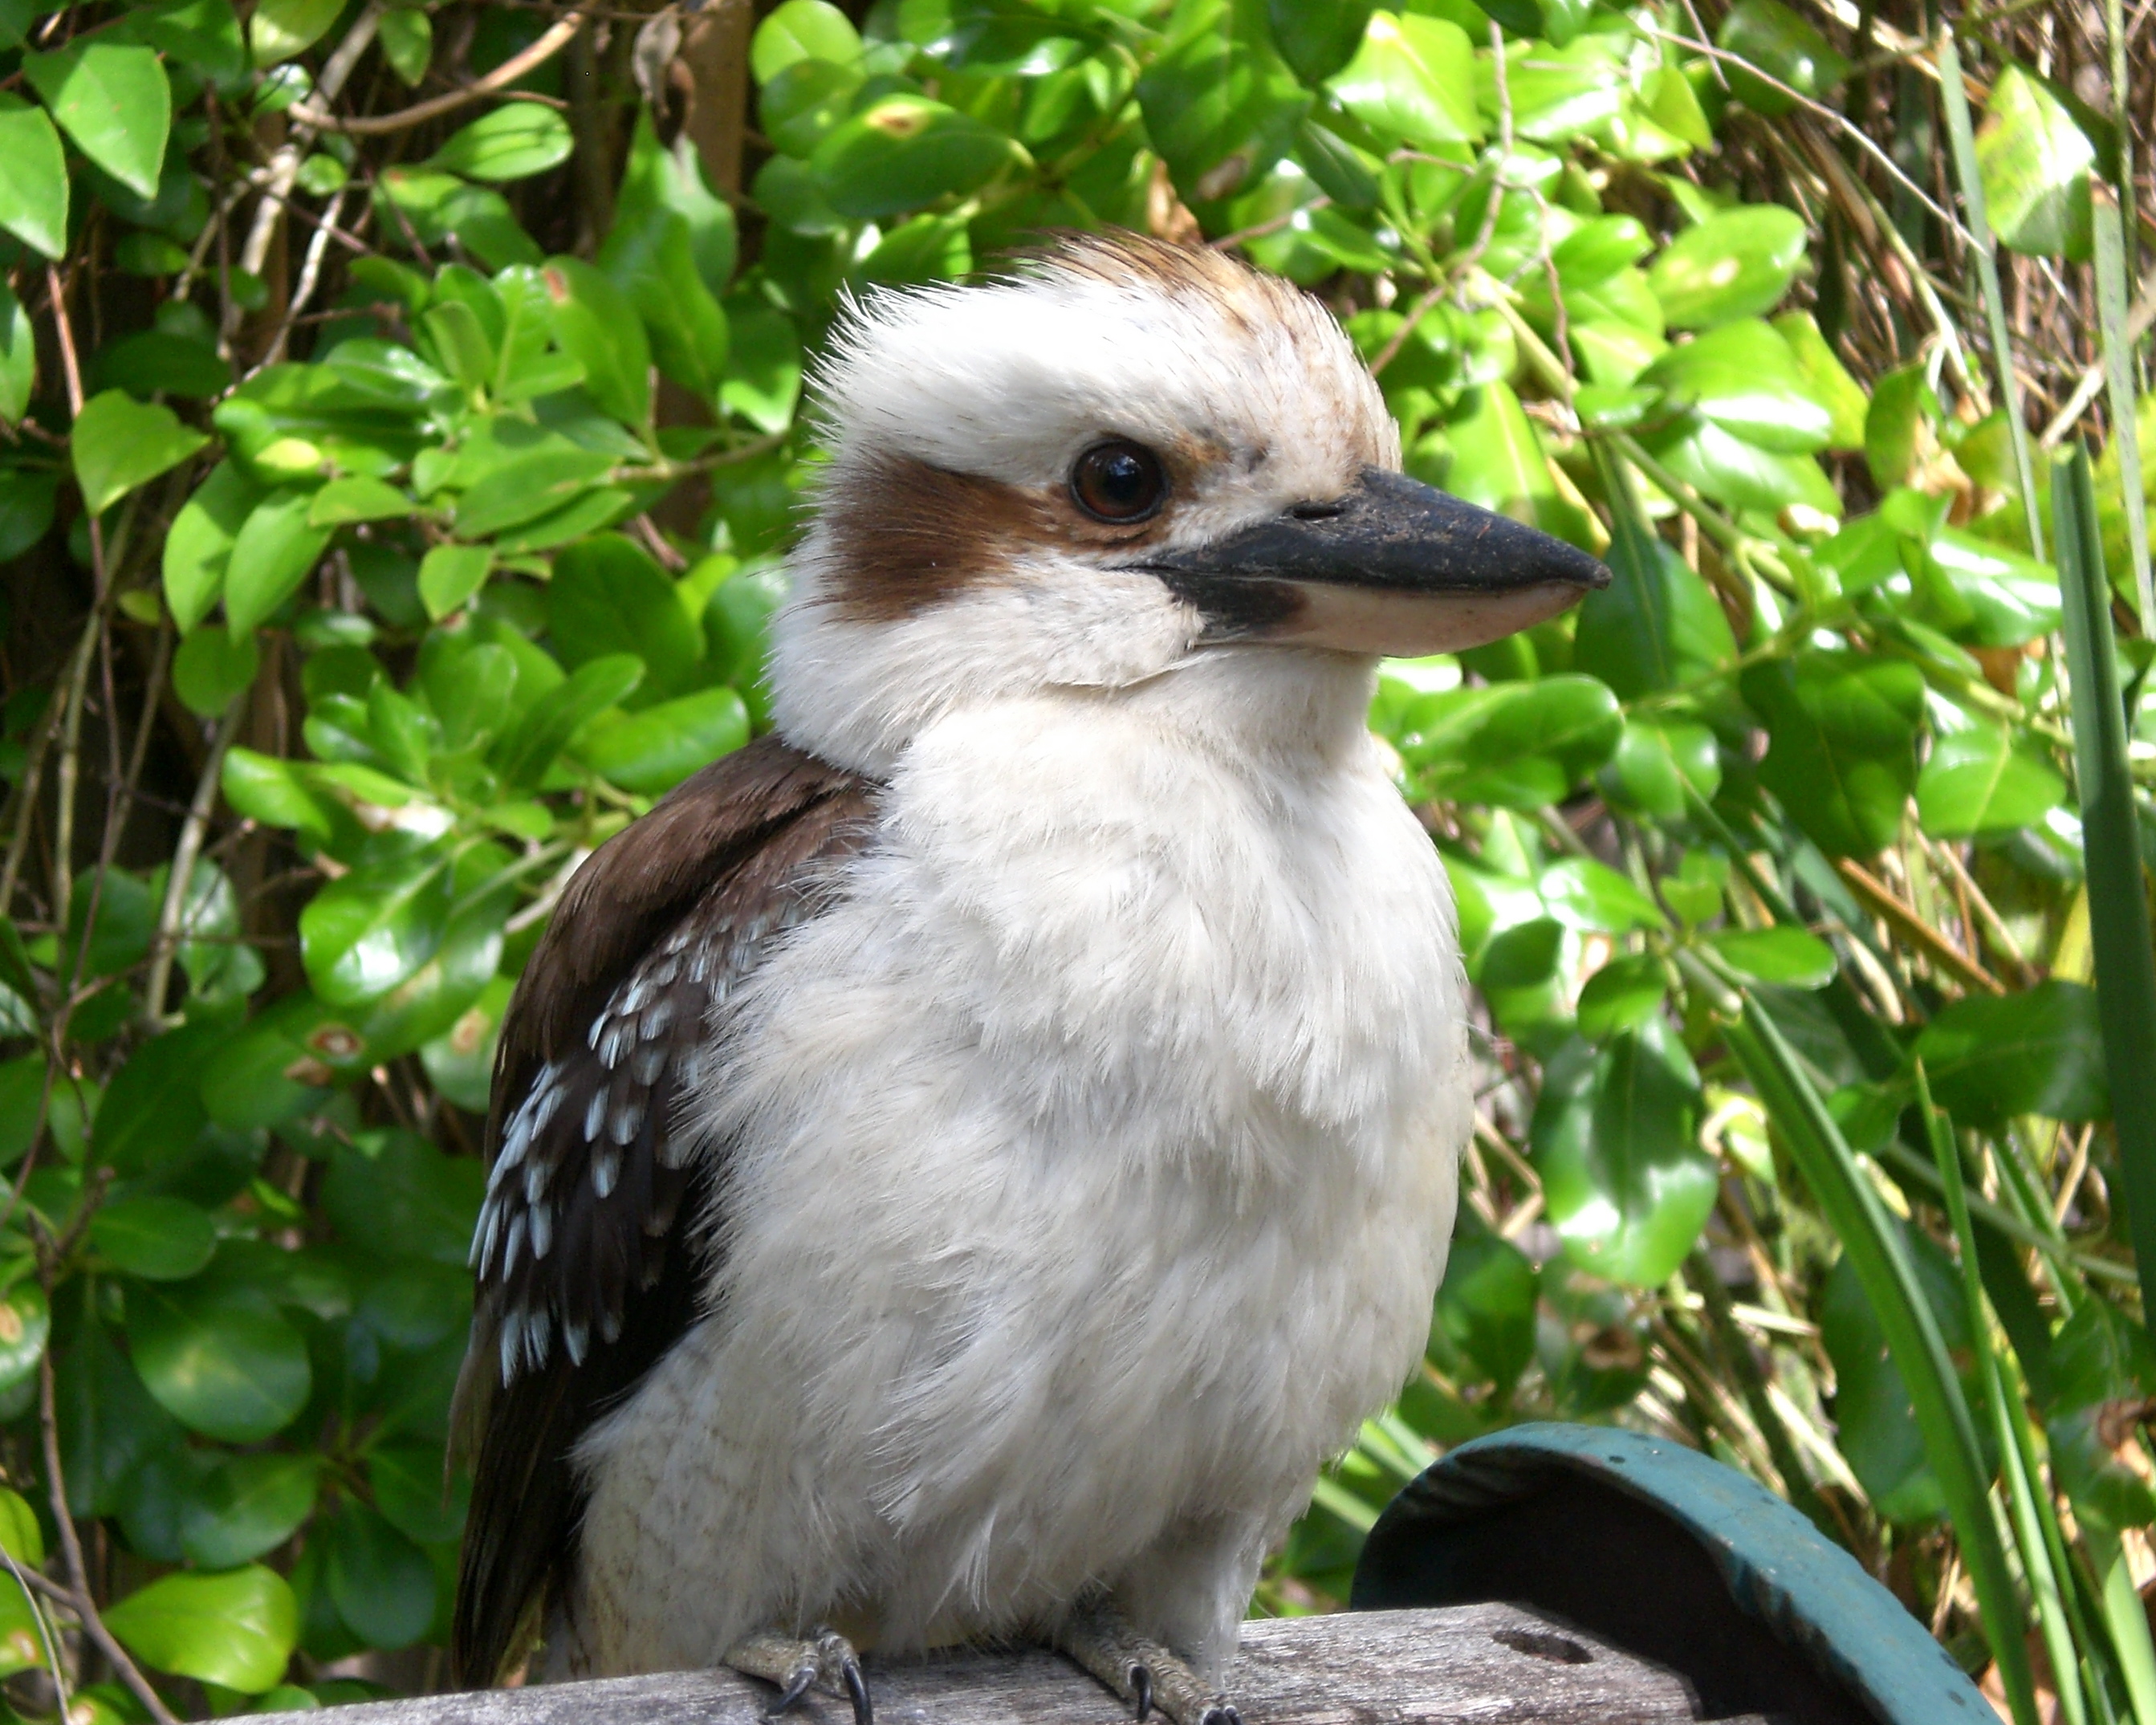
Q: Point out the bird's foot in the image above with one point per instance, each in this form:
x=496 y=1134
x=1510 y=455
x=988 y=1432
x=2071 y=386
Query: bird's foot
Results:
x=825 y=1659
x=1144 y=1673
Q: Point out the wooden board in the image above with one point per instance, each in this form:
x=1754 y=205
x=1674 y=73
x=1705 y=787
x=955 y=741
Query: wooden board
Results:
x=1465 y=1665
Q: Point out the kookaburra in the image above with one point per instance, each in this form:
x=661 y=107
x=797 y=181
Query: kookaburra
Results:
x=963 y=1164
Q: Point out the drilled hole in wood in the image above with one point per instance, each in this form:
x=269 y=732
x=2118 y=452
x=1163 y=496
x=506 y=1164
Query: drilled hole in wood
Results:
x=1537 y=1644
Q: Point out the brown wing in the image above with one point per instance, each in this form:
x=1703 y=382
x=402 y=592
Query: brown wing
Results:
x=585 y=1272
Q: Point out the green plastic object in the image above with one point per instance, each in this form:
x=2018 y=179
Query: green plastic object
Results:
x=1670 y=1555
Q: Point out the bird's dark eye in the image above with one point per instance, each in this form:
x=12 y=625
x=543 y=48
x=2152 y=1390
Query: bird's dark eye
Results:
x=1119 y=481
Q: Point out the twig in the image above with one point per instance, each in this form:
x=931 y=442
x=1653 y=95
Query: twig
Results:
x=165 y=943
x=310 y=273
x=2137 y=323
x=24 y=802
x=508 y=72
x=84 y=1606
x=1905 y=921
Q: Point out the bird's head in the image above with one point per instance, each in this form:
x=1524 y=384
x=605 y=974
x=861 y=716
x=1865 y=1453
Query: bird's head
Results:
x=1129 y=460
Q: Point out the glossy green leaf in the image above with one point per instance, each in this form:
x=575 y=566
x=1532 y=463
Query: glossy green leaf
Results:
x=33 y=181
x=1735 y=264
x=598 y=328
x=157 y=1238
x=222 y=1362
x=202 y=35
x=361 y=498
x=236 y=1630
x=1901 y=401
x=655 y=750
x=246 y=1505
x=368 y=931
x=1592 y=897
x=1796 y=59
x=118 y=443
x=2035 y=162
x=1498 y=461
x=1519 y=744
x=26 y=1325
x=407 y=1479
x=199 y=546
x=1615 y=1139
x=2009 y=598
x=802 y=30
x=1981 y=779
x=1622 y=995
x=529 y=748
x=152 y=1107
x=273 y=554
x=211 y=666
x=112 y=100
x=2039 y=1052
x=526 y=487
x=459 y=1062
x=1743 y=377
x=26 y=509
x=1656 y=625
x=1784 y=955
x=608 y=597
x=402 y=1197
x=278 y=29
x=18 y=356
x=1486 y=1306
x=904 y=152
x=264 y=788
x=515 y=142
x=1657 y=764
x=1841 y=751
x=1827 y=378
x=1412 y=80
x=1219 y=104
x=450 y=574
x=407 y=35
x=1316 y=41
x=382 y=1584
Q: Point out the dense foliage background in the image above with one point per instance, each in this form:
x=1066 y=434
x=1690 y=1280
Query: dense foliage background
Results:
x=397 y=441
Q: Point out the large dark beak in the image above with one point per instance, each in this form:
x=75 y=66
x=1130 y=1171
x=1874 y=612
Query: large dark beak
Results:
x=1391 y=567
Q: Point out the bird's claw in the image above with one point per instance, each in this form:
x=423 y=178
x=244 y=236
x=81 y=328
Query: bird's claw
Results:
x=826 y=1660
x=1141 y=1692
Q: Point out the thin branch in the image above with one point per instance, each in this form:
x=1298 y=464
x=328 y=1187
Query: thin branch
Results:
x=1905 y=921
x=165 y=944
x=508 y=72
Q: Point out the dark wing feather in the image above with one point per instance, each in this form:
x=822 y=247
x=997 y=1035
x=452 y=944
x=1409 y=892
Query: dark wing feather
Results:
x=585 y=1272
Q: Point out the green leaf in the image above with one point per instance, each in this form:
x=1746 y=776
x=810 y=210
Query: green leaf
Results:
x=524 y=488
x=361 y=498
x=2009 y=598
x=763 y=365
x=407 y=35
x=2034 y=164
x=1737 y=264
x=266 y=789
x=151 y=361
x=368 y=931
x=118 y=443
x=26 y=509
x=608 y=597
x=211 y=666
x=1827 y=378
x=1769 y=36
x=655 y=750
x=26 y=1324
x=1499 y=462
x=382 y=1582
x=1982 y=779
x=1486 y=1306
x=1841 y=755
x=1622 y=995
x=659 y=180
x=278 y=29
x=1901 y=401
x=651 y=256
x=407 y=1479
x=33 y=181
x=1875 y=1428
x=1743 y=377
x=246 y=1505
x=450 y=574
x=405 y=1200
x=599 y=329
x=1615 y=1138
x=802 y=30
x=18 y=356
x=1413 y=79
x=517 y=141
x=21 y=1536
x=1787 y=956
x=108 y=1423
x=529 y=748
x=1594 y=898
x=236 y=1630
x=222 y=1362
x=202 y=35
x=906 y=150
x=1520 y=744
x=152 y=1108
x=157 y=1238
x=112 y=99
x=1316 y=41
x=1655 y=763
x=272 y=554
x=459 y=1062
x=2039 y=1052
x=1220 y=104
x=1656 y=625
